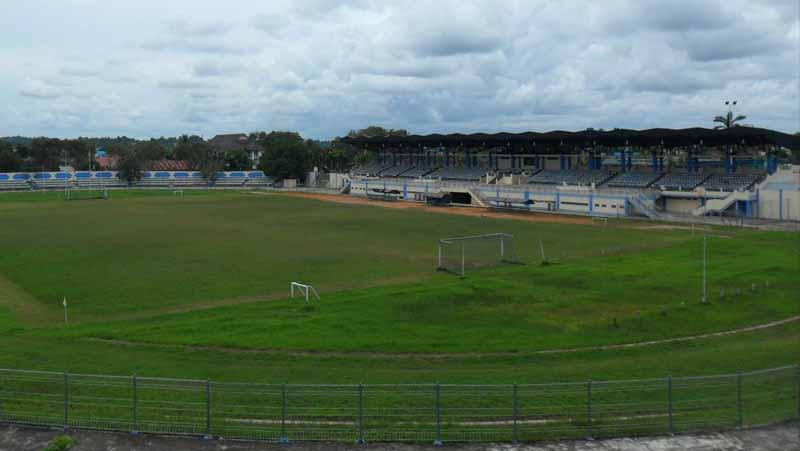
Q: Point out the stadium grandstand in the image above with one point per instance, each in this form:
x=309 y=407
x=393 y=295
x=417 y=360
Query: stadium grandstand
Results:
x=22 y=181
x=657 y=173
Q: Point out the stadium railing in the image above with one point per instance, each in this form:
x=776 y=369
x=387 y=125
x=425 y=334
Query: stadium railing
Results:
x=434 y=413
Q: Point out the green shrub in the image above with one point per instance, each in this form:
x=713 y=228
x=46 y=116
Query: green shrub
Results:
x=61 y=443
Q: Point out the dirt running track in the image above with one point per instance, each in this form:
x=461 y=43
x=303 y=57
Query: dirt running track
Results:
x=463 y=211
x=774 y=438
x=443 y=355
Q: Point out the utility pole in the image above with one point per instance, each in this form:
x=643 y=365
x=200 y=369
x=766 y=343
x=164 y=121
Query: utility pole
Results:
x=705 y=261
x=64 y=151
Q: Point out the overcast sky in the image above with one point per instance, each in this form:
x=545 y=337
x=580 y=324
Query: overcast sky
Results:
x=149 y=68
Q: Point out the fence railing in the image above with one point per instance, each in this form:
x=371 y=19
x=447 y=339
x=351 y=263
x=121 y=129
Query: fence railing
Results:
x=434 y=413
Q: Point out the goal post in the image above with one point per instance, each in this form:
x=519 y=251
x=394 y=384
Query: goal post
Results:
x=457 y=254
x=85 y=193
x=303 y=289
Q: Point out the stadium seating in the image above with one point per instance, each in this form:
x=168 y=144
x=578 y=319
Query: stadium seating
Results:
x=680 y=181
x=45 y=180
x=101 y=179
x=634 y=179
x=731 y=182
x=14 y=182
x=155 y=179
x=257 y=178
x=188 y=178
x=570 y=177
x=230 y=179
x=372 y=168
x=419 y=172
x=459 y=173
x=396 y=171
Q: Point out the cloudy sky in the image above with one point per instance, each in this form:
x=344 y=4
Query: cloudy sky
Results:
x=149 y=68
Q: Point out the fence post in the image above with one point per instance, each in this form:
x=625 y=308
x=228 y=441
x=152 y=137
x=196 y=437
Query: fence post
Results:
x=207 y=436
x=739 y=400
x=669 y=404
x=360 y=414
x=134 y=419
x=797 y=376
x=66 y=401
x=283 y=438
x=438 y=441
x=589 y=410
x=514 y=409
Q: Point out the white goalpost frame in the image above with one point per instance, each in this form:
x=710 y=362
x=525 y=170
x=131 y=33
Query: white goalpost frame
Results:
x=303 y=289
x=68 y=192
x=502 y=237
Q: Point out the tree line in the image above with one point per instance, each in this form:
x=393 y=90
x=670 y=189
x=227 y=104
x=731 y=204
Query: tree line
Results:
x=284 y=154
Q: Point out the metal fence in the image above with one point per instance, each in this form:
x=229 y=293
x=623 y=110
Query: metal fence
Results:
x=434 y=413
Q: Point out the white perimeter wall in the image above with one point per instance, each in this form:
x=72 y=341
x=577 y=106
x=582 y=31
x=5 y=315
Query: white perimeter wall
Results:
x=774 y=204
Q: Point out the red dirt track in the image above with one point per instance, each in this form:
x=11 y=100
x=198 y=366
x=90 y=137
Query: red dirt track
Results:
x=463 y=211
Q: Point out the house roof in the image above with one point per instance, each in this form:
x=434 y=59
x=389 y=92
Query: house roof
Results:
x=171 y=165
x=107 y=162
x=232 y=141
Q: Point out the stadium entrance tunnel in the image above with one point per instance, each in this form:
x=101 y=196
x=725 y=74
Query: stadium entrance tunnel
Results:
x=461 y=198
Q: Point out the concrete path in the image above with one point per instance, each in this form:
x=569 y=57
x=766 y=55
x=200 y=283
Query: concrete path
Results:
x=785 y=437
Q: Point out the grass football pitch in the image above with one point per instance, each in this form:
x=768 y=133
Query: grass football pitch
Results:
x=197 y=287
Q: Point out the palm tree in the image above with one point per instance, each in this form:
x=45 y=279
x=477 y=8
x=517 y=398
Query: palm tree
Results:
x=728 y=121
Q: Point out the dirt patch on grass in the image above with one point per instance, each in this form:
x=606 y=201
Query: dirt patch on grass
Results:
x=23 y=305
x=463 y=211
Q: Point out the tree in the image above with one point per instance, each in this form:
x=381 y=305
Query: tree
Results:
x=130 y=165
x=728 y=121
x=80 y=153
x=9 y=160
x=45 y=153
x=286 y=155
x=237 y=160
x=150 y=151
x=376 y=130
x=201 y=157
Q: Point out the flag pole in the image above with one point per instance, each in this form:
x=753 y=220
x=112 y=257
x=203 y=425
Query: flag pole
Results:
x=66 y=322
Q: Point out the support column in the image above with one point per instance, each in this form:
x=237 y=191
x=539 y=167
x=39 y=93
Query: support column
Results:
x=562 y=162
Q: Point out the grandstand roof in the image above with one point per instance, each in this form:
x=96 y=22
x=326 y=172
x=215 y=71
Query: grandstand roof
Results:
x=619 y=137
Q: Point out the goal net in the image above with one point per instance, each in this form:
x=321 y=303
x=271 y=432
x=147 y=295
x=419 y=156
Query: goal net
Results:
x=459 y=254
x=86 y=194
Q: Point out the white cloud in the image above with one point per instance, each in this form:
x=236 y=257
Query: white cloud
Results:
x=323 y=67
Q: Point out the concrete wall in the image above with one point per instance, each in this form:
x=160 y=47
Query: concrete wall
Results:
x=779 y=204
x=589 y=202
x=681 y=206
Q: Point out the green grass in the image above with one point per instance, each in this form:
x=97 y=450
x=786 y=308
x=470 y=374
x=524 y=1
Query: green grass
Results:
x=211 y=269
x=519 y=309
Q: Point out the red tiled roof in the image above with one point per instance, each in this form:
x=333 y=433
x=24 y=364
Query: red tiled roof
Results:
x=109 y=162
x=171 y=165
